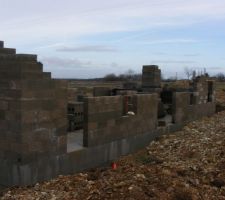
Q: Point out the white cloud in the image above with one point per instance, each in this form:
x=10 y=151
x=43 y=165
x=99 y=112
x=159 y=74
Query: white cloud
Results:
x=24 y=21
x=173 y=62
x=57 y=62
x=171 y=41
x=87 y=48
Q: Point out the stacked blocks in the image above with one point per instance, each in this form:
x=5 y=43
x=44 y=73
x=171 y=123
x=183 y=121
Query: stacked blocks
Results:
x=181 y=101
x=101 y=91
x=184 y=112
x=151 y=77
x=1 y=44
x=33 y=118
x=105 y=120
x=204 y=90
x=75 y=115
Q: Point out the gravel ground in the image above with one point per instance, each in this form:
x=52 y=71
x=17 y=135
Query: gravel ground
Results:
x=189 y=164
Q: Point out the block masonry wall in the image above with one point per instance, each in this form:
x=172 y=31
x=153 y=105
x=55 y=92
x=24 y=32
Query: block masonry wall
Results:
x=33 y=122
x=1 y=44
x=200 y=102
x=184 y=112
x=101 y=91
x=33 y=117
x=105 y=120
x=204 y=90
x=151 y=77
x=75 y=115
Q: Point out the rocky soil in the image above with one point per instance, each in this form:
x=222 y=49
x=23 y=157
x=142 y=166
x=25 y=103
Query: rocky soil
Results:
x=186 y=165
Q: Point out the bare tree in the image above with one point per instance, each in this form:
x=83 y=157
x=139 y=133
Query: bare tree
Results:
x=129 y=74
x=220 y=76
x=188 y=72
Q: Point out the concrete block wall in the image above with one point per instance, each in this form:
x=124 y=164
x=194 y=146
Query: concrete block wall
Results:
x=72 y=94
x=125 y=92
x=203 y=110
x=180 y=104
x=33 y=117
x=4 y=50
x=75 y=114
x=201 y=86
x=151 y=77
x=33 y=122
x=130 y=85
x=184 y=111
x=105 y=121
x=1 y=44
x=101 y=91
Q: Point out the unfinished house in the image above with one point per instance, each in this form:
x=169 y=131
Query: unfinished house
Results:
x=44 y=135
x=151 y=78
x=75 y=113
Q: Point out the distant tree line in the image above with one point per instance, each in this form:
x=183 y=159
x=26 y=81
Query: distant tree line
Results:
x=220 y=76
x=130 y=75
x=190 y=74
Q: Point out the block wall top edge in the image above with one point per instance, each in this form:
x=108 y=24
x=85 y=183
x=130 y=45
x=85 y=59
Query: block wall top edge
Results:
x=152 y=94
x=104 y=97
x=75 y=103
x=1 y=44
x=22 y=57
x=148 y=66
x=27 y=55
x=8 y=51
x=177 y=92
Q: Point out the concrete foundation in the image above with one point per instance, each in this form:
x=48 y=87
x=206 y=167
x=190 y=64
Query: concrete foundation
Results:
x=34 y=143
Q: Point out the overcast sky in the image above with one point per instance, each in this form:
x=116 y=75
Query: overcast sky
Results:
x=90 y=38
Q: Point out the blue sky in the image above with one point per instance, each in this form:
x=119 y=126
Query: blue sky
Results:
x=91 y=38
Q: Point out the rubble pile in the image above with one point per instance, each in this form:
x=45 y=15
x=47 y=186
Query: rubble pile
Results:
x=189 y=165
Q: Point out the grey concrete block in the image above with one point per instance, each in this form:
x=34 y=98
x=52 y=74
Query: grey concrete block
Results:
x=1 y=44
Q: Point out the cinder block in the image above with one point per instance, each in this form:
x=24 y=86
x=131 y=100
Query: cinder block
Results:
x=16 y=67
x=7 y=51
x=4 y=105
x=26 y=57
x=38 y=94
x=62 y=145
x=48 y=104
x=13 y=115
x=151 y=76
x=1 y=44
x=17 y=57
x=32 y=109
x=111 y=122
x=2 y=115
x=46 y=75
x=61 y=131
x=101 y=91
x=92 y=126
x=14 y=94
x=13 y=75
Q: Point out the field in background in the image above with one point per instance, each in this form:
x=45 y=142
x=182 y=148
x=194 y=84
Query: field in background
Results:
x=85 y=87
